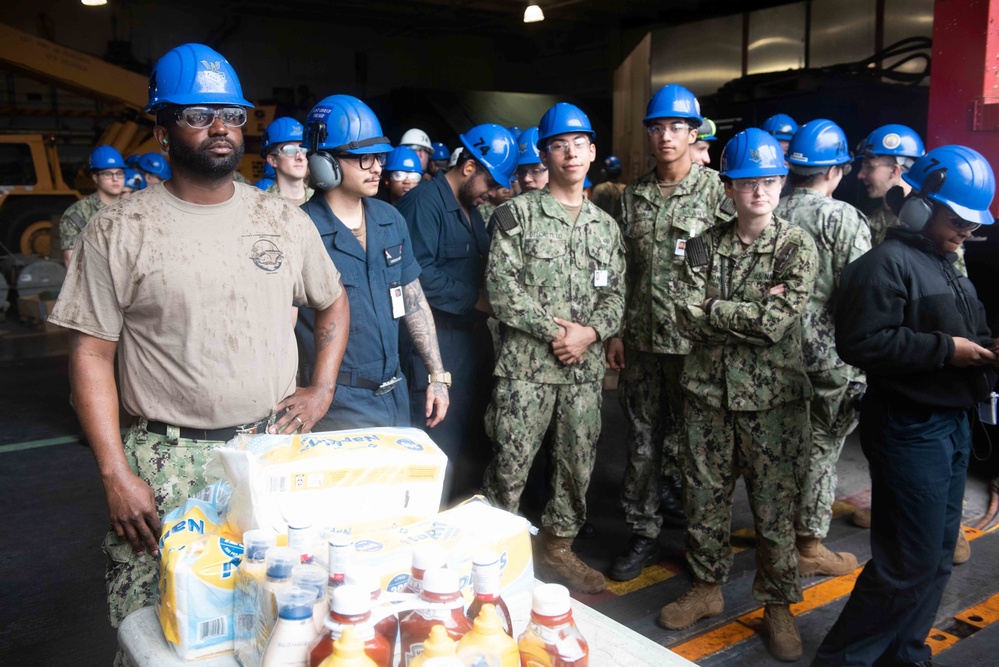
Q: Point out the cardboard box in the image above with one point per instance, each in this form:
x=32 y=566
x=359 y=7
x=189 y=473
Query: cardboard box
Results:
x=36 y=310
x=354 y=481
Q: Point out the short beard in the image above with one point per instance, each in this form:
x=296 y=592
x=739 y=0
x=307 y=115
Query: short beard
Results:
x=465 y=197
x=200 y=162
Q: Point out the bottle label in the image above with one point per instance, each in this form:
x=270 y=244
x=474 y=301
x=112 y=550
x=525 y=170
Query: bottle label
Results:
x=410 y=655
x=486 y=579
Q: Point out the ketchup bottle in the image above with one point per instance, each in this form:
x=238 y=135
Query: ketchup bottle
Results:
x=350 y=606
x=444 y=607
x=427 y=556
x=486 y=583
x=365 y=576
x=551 y=638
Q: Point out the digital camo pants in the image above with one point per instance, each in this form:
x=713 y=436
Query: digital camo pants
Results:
x=516 y=421
x=768 y=448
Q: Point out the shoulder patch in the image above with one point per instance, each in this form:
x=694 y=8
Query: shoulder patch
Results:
x=787 y=253
x=696 y=252
x=505 y=219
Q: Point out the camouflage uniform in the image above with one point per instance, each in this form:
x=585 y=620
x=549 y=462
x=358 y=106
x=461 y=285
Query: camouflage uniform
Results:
x=275 y=190
x=746 y=398
x=542 y=265
x=76 y=217
x=655 y=231
x=486 y=209
x=607 y=195
x=841 y=235
x=882 y=220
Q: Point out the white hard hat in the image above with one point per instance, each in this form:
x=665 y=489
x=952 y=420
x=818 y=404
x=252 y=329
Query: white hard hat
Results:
x=454 y=157
x=416 y=137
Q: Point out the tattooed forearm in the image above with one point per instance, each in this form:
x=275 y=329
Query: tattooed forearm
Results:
x=326 y=336
x=420 y=323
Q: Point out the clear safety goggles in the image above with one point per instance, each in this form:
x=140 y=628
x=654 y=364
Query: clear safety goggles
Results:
x=290 y=151
x=676 y=128
x=577 y=144
x=202 y=117
x=754 y=184
x=405 y=177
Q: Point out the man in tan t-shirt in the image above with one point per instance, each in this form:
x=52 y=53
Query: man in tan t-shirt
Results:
x=190 y=282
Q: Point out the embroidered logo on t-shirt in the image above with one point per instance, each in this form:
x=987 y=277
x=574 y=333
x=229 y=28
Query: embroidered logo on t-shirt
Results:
x=266 y=255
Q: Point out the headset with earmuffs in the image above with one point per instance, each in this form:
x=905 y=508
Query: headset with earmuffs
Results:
x=915 y=211
x=324 y=167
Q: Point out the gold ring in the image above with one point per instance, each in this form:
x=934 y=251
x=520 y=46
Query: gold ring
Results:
x=299 y=420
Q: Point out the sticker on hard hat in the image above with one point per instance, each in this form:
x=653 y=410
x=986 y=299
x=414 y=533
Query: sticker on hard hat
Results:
x=211 y=79
x=798 y=156
x=764 y=155
x=891 y=140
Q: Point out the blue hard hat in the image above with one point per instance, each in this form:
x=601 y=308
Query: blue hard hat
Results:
x=673 y=101
x=587 y=183
x=344 y=124
x=494 y=148
x=264 y=183
x=514 y=131
x=781 y=126
x=441 y=152
x=155 y=164
x=403 y=158
x=752 y=153
x=612 y=163
x=819 y=143
x=132 y=161
x=282 y=130
x=134 y=179
x=527 y=146
x=268 y=171
x=563 y=118
x=194 y=74
x=897 y=140
x=105 y=157
x=968 y=185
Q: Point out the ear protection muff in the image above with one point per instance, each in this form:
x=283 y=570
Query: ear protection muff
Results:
x=917 y=209
x=324 y=169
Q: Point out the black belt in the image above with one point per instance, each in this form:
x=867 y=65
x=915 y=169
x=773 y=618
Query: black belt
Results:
x=349 y=379
x=220 y=434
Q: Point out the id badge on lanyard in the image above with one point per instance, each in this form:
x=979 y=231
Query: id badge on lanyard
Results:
x=398 y=304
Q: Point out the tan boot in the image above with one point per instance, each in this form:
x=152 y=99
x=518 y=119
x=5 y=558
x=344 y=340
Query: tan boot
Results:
x=862 y=517
x=779 y=626
x=962 y=550
x=558 y=562
x=814 y=559
x=703 y=600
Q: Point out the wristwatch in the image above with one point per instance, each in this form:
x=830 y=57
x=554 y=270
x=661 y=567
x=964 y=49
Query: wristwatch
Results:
x=443 y=376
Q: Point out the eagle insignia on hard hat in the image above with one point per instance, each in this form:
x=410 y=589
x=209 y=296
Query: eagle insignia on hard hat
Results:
x=891 y=140
x=212 y=79
x=266 y=255
x=215 y=66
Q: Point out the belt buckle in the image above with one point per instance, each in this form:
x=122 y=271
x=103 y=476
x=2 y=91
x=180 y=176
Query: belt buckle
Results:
x=387 y=386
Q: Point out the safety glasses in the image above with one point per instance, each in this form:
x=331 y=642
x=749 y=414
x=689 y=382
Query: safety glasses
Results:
x=676 y=128
x=365 y=160
x=577 y=144
x=290 y=151
x=405 y=176
x=202 y=117
x=752 y=185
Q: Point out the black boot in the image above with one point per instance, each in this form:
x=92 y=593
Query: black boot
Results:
x=671 y=501
x=641 y=551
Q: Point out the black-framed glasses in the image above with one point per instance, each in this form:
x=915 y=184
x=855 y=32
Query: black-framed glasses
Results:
x=111 y=174
x=290 y=151
x=365 y=160
x=202 y=117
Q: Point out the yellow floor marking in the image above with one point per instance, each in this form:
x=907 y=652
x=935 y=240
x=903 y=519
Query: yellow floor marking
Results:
x=653 y=574
x=982 y=614
x=938 y=640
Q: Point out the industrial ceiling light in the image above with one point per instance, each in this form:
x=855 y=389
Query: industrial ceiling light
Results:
x=94 y=3
x=533 y=14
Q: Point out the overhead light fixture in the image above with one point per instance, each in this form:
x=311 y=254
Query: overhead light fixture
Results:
x=94 y=3
x=533 y=14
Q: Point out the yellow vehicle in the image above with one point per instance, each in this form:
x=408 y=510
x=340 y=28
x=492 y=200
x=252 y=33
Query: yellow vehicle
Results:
x=33 y=194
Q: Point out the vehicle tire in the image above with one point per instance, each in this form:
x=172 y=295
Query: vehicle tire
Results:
x=31 y=227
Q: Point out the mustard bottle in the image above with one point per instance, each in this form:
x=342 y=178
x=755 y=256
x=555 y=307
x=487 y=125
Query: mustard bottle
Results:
x=348 y=651
x=488 y=638
x=438 y=645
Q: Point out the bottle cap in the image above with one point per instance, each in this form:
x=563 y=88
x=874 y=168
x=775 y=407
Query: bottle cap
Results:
x=340 y=540
x=350 y=600
x=311 y=577
x=487 y=622
x=428 y=556
x=295 y=604
x=440 y=581
x=550 y=600
x=257 y=542
x=280 y=561
x=364 y=576
x=439 y=644
x=349 y=645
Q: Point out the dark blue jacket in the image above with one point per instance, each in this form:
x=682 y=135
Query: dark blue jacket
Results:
x=451 y=249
